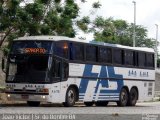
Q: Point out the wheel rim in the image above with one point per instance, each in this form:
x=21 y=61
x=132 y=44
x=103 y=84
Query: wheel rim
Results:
x=123 y=97
x=71 y=96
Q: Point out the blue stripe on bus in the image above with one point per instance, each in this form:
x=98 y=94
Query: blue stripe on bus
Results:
x=105 y=99
x=108 y=98
x=84 y=82
x=109 y=94
x=104 y=83
x=103 y=74
x=106 y=95
x=119 y=81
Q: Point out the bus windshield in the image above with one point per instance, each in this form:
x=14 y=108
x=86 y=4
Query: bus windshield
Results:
x=28 y=68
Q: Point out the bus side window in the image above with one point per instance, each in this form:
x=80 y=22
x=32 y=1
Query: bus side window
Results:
x=141 y=59
x=105 y=55
x=61 y=49
x=91 y=53
x=150 y=60
x=76 y=51
x=117 y=56
x=56 y=68
x=129 y=57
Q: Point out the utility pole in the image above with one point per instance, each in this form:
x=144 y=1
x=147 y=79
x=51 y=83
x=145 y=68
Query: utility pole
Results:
x=134 y=26
x=156 y=46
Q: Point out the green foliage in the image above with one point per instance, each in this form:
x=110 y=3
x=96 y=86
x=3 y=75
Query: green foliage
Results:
x=120 y=32
x=45 y=29
x=96 y=5
x=71 y=11
x=43 y=1
x=83 y=23
x=57 y=1
x=82 y=26
x=86 y=20
x=120 y=24
x=59 y=9
x=99 y=22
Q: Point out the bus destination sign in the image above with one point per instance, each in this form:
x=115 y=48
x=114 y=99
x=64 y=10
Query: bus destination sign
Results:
x=35 y=50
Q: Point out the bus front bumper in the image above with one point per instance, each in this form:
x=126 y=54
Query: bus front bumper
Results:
x=27 y=97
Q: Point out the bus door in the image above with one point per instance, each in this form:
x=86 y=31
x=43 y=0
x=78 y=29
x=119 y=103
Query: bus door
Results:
x=56 y=78
x=60 y=71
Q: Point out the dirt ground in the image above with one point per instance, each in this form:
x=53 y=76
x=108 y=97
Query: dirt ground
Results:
x=3 y=99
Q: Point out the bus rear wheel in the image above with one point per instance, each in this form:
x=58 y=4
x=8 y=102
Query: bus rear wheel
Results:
x=123 y=98
x=70 y=97
x=101 y=103
x=33 y=103
x=89 y=103
x=133 y=96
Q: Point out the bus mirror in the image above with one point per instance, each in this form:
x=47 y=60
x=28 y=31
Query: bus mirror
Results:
x=3 y=65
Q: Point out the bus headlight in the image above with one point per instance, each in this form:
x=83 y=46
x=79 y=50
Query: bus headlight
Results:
x=43 y=97
x=8 y=95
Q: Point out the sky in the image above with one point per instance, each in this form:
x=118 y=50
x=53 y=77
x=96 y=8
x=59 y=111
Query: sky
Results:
x=147 y=13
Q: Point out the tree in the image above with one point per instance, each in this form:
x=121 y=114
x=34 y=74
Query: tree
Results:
x=117 y=32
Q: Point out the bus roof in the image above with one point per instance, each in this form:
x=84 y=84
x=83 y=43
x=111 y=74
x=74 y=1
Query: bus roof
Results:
x=49 y=38
x=59 y=38
x=122 y=46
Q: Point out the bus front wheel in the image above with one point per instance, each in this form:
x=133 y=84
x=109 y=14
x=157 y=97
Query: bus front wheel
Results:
x=123 y=98
x=33 y=103
x=70 y=97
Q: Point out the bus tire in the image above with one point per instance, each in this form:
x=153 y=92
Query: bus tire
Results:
x=101 y=103
x=123 y=98
x=70 y=97
x=133 y=96
x=88 y=103
x=33 y=103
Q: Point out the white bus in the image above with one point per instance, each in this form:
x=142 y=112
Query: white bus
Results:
x=58 y=69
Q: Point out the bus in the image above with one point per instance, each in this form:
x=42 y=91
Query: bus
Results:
x=57 y=69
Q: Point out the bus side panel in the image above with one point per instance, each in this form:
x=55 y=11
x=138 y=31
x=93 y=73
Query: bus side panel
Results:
x=143 y=79
x=94 y=85
x=103 y=83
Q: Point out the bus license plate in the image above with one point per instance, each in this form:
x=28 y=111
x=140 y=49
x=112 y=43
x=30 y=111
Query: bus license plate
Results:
x=24 y=96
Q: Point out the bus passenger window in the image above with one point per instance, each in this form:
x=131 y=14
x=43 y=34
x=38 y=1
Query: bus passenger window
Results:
x=141 y=59
x=128 y=57
x=76 y=51
x=61 y=49
x=105 y=55
x=91 y=53
x=150 y=60
x=117 y=56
